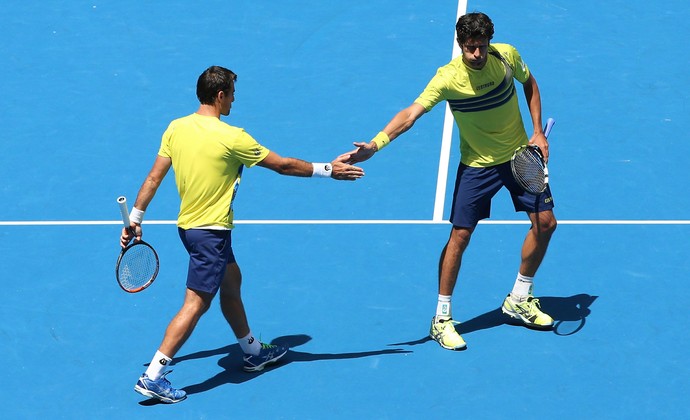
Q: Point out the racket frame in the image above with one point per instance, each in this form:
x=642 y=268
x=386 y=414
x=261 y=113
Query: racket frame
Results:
x=119 y=259
x=547 y=130
x=124 y=212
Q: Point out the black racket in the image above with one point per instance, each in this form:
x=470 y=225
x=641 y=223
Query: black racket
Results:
x=528 y=166
x=137 y=265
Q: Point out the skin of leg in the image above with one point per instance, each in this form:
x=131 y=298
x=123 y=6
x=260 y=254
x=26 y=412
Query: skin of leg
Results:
x=537 y=241
x=231 y=301
x=451 y=258
x=195 y=304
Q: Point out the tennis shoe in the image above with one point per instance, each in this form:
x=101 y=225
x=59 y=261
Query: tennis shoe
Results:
x=159 y=389
x=527 y=311
x=269 y=353
x=444 y=333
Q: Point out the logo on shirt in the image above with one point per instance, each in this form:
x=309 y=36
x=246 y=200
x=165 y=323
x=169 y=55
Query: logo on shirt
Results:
x=257 y=151
x=485 y=85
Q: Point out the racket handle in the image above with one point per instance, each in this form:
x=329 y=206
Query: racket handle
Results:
x=122 y=201
x=549 y=125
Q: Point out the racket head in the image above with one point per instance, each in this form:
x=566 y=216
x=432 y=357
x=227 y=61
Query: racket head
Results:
x=137 y=267
x=529 y=169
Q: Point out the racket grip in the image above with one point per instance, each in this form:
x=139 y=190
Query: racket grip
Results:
x=549 y=125
x=124 y=211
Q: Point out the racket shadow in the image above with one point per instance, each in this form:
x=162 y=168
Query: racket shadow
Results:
x=232 y=361
x=569 y=314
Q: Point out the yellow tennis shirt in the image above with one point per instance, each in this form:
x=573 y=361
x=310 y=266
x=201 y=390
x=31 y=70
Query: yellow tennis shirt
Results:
x=207 y=156
x=484 y=105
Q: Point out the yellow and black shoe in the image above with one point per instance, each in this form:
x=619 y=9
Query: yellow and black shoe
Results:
x=527 y=311
x=444 y=333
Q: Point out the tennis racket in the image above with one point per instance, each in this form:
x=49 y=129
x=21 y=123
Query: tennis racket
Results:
x=137 y=265
x=528 y=166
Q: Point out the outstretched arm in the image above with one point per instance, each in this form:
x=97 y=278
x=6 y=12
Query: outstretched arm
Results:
x=337 y=169
x=403 y=121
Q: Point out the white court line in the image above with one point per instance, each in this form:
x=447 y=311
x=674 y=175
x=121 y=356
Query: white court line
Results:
x=343 y=222
x=446 y=138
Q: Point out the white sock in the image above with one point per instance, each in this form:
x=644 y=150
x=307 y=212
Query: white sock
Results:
x=443 y=308
x=249 y=344
x=523 y=287
x=158 y=365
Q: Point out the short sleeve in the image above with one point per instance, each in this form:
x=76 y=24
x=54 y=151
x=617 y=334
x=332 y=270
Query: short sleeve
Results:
x=247 y=150
x=164 y=150
x=433 y=92
x=520 y=69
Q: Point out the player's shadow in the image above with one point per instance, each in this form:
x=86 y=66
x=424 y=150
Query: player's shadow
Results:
x=232 y=361
x=569 y=314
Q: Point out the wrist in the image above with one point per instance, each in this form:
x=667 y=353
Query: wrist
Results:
x=136 y=215
x=381 y=140
x=322 y=170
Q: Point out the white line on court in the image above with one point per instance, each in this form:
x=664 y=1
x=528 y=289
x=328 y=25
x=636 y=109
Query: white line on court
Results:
x=446 y=138
x=343 y=222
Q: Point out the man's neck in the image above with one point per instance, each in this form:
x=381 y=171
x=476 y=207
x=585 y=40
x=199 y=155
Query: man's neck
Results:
x=209 y=111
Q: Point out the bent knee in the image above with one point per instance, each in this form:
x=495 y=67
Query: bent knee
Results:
x=547 y=225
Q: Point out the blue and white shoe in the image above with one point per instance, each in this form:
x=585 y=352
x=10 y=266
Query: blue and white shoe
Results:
x=159 y=389
x=270 y=353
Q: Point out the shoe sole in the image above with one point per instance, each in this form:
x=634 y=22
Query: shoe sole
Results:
x=263 y=365
x=524 y=322
x=450 y=348
x=462 y=347
x=148 y=393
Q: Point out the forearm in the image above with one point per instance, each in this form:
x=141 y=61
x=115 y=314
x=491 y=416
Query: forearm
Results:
x=401 y=122
x=152 y=182
x=146 y=193
x=533 y=98
x=294 y=167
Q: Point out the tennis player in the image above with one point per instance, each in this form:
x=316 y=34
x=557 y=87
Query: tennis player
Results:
x=208 y=156
x=479 y=88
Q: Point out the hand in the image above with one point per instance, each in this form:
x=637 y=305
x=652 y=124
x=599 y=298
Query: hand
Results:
x=343 y=171
x=133 y=232
x=363 y=152
x=540 y=141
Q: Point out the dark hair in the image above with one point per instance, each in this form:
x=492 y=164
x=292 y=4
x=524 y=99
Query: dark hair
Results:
x=474 y=25
x=213 y=80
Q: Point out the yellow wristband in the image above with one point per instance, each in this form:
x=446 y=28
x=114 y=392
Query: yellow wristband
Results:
x=381 y=140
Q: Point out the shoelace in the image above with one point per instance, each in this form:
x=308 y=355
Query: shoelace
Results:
x=532 y=305
x=164 y=379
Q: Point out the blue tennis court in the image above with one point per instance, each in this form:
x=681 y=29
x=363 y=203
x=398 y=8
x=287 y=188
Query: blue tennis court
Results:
x=345 y=273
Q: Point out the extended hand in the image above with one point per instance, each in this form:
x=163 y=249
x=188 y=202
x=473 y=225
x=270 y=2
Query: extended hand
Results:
x=344 y=171
x=363 y=152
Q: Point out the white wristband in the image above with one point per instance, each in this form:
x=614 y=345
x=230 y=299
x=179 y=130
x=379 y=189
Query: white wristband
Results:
x=136 y=215
x=322 y=170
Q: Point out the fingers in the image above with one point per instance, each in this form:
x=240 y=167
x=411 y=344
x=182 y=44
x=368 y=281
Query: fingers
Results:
x=133 y=232
x=125 y=237
x=345 y=172
x=344 y=158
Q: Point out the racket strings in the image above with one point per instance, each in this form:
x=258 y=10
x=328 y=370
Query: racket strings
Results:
x=528 y=169
x=137 y=266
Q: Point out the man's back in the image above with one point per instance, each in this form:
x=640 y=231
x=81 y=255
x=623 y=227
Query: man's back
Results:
x=207 y=155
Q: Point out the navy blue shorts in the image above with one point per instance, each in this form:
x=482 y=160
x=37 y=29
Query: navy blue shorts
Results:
x=475 y=187
x=210 y=251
